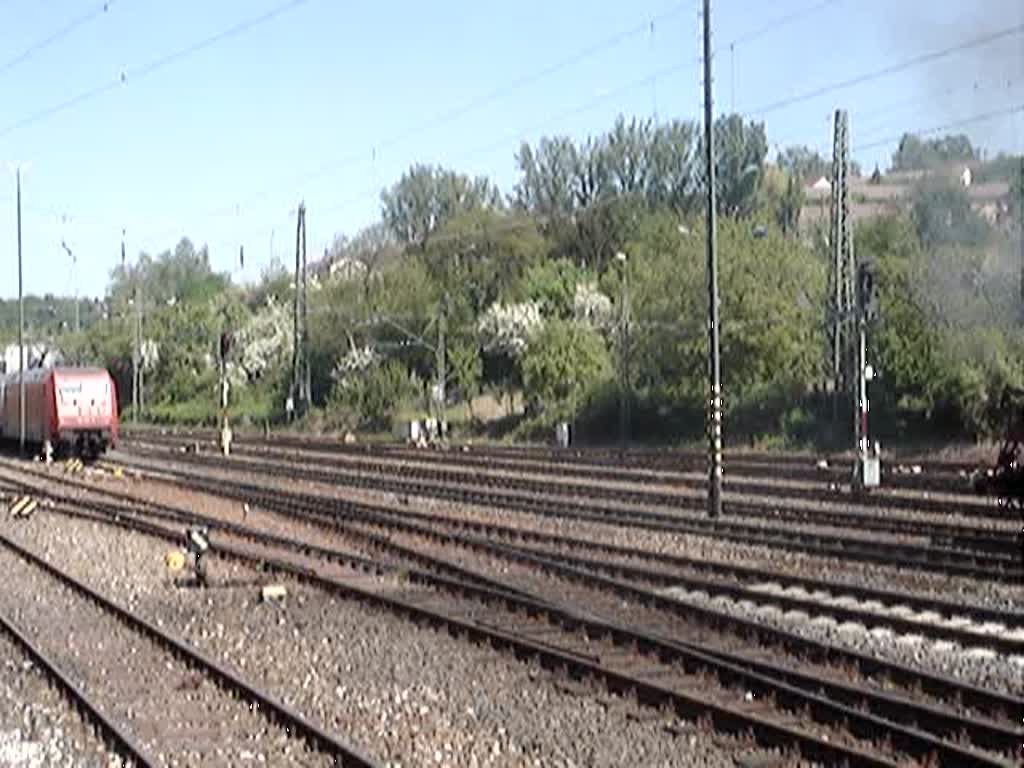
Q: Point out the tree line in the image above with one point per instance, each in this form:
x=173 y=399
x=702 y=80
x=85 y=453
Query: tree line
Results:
x=586 y=280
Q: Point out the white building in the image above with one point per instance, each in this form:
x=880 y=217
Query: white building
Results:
x=34 y=353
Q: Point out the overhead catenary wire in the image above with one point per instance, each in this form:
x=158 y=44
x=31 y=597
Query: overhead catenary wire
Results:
x=157 y=64
x=885 y=71
x=372 y=154
x=781 y=21
x=871 y=117
x=640 y=28
x=515 y=136
x=971 y=120
x=61 y=33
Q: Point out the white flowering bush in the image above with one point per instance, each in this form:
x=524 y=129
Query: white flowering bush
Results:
x=149 y=351
x=357 y=361
x=265 y=342
x=593 y=308
x=508 y=328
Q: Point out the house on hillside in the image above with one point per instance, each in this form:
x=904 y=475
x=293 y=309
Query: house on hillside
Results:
x=891 y=194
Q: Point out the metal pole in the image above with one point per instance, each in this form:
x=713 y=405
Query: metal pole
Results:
x=442 y=362
x=714 y=362
x=136 y=363
x=21 y=332
x=296 y=347
x=623 y=354
x=862 y=391
x=307 y=384
x=732 y=74
x=142 y=363
x=1020 y=232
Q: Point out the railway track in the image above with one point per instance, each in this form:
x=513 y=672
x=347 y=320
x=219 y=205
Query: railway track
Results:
x=743 y=476
x=116 y=739
x=145 y=659
x=947 y=559
x=665 y=672
x=901 y=612
x=941 y=532
x=926 y=475
x=333 y=513
x=570 y=473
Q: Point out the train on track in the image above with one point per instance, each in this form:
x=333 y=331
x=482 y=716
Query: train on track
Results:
x=68 y=411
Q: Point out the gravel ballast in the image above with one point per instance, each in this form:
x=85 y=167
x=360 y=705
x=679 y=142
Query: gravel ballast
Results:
x=38 y=727
x=407 y=695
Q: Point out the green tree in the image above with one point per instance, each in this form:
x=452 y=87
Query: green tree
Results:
x=914 y=154
x=547 y=177
x=655 y=164
x=183 y=274
x=741 y=149
x=427 y=196
x=467 y=369
x=771 y=291
x=483 y=256
x=372 y=398
x=942 y=213
x=805 y=164
x=788 y=207
x=552 y=284
x=904 y=343
x=562 y=366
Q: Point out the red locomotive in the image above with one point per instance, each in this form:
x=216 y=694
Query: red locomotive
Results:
x=74 y=410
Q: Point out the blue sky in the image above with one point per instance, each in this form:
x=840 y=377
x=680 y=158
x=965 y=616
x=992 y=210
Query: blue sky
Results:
x=330 y=101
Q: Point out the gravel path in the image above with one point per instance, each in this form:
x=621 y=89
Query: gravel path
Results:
x=409 y=696
x=38 y=727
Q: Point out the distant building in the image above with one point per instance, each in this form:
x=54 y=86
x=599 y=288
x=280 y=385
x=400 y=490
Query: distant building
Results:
x=36 y=356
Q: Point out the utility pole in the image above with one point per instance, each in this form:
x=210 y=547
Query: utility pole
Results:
x=624 y=382
x=141 y=320
x=442 y=363
x=227 y=343
x=867 y=473
x=21 y=331
x=74 y=269
x=136 y=352
x=1020 y=232
x=307 y=384
x=714 y=363
x=301 y=384
x=133 y=302
x=842 y=272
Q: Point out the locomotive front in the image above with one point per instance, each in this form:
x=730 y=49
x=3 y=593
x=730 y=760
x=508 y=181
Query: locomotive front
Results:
x=85 y=409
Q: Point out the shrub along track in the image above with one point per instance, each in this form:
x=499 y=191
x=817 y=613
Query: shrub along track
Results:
x=659 y=671
x=947 y=558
